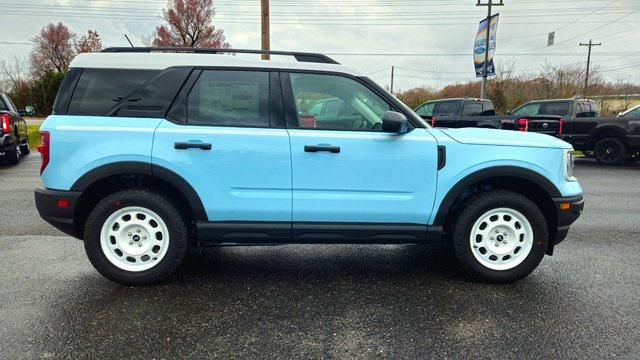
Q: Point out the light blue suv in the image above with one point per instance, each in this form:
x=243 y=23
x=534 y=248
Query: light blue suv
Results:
x=152 y=151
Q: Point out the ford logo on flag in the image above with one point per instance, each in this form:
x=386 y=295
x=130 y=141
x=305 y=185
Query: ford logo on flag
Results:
x=480 y=50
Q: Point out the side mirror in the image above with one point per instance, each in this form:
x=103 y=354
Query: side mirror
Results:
x=620 y=113
x=394 y=122
x=510 y=112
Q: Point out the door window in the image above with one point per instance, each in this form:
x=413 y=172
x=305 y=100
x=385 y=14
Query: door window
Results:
x=426 y=109
x=346 y=104
x=633 y=113
x=554 y=108
x=528 y=109
x=230 y=98
x=447 y=108
x=472 y=109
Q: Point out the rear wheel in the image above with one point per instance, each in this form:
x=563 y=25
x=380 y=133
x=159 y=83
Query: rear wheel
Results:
x=501 y=236
x=610 y=151
x=25 y=149
x=135 y=237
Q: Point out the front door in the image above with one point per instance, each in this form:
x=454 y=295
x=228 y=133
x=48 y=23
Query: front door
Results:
x=344 y=168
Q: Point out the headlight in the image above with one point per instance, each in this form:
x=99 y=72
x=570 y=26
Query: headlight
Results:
x=568 y=165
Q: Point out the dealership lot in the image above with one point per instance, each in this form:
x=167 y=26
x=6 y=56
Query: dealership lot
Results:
x=325 y=301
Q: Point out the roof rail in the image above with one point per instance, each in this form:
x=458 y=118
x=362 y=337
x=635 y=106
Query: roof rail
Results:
x=299 y=56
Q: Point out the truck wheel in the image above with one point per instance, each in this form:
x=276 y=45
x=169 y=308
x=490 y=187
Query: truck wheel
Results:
x=135 y=237
x=13 y=157
x=24 y=149
x=610 y=151
x=501 y=236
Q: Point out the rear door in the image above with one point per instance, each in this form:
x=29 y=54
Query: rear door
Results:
x=225 y=136
x=348 y=170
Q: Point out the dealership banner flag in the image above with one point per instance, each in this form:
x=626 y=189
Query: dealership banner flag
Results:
x=481 y=43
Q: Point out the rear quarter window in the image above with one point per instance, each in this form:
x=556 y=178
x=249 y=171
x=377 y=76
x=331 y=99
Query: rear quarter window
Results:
x=99 y=90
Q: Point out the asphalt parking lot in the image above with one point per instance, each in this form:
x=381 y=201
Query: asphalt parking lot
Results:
x=326 y=301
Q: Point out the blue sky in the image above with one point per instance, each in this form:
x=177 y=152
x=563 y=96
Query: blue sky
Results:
x=439 y=33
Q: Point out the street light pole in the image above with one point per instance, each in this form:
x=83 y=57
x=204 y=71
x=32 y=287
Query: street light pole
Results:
x=266 y=44
x=488 y=4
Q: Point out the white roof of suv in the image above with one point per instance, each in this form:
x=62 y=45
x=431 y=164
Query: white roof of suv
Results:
x=163 y=60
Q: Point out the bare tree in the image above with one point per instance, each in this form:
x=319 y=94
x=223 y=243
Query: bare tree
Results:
x=189 y=24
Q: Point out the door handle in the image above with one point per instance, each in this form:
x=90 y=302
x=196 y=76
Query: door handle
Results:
x=317 y=148
x=191 y=145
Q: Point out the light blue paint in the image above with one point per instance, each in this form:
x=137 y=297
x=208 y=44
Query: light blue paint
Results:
x=246 y=176
x=264 y=174
x=376 y=177
x=82 y=143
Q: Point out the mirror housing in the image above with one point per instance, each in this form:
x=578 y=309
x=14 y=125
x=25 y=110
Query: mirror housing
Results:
x=510 y=112
x=394 y=122
x=620 y=114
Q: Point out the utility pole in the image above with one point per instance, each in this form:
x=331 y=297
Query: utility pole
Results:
x=586 y=76
x=266 y=44
x=488 y=4
x=392 y=79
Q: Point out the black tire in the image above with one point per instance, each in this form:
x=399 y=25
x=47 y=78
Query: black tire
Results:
x=25 y=149
x=175 y=223
x=12 y=157
x=473 y=210
x=610 y=151
x=588 y=153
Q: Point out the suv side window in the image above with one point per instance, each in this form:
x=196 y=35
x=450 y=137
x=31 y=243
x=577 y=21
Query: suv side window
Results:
x=230 y=98
x=447 y=108
x=349 y=105
x=426 y=109
x=99 y=90
x=472 y=108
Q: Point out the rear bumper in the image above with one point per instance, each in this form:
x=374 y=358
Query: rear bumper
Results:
x=62 y=218
x=7 y=143
x=568 y=209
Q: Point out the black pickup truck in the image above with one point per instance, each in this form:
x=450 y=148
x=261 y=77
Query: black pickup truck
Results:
x=14 y=141
x=474 y=112
x=611 y=140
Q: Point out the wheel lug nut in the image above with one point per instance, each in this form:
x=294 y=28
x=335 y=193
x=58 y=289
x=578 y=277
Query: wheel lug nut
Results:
x=144 y=237
x=130 y=242
x=140 y=244
x=137 y=230
x=129 y=234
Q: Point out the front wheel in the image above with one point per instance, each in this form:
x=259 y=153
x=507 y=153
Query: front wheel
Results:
x=135 y=237
x=501 y=236
x=610 y=151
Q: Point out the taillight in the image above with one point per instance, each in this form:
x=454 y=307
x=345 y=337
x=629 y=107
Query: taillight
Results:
x=44 y=149
x=561 y=127
x=433 y=121
x=6 y=123
x=523 y=124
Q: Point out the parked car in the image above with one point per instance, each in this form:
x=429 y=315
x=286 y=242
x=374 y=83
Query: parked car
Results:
x=152 y=151
x=611 y=140
x=459 y=113
x=14 y=139
x=633 y=112
x=469 y=112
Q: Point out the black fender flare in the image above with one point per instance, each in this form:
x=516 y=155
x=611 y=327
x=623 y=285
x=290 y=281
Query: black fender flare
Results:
x=143 y=168
x=489 y=173
x=606 y=128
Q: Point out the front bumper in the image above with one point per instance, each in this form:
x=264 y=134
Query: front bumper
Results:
x=568 y=209
x=57 y=208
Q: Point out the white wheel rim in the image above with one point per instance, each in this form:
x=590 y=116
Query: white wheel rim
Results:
x=501 y=239
x=134 y=238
